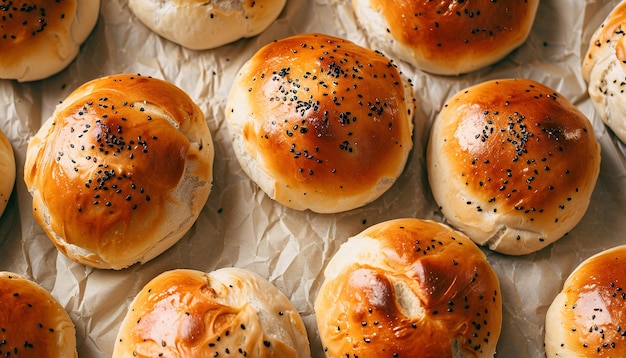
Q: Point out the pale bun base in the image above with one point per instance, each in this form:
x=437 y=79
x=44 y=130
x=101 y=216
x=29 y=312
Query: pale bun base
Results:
x=205 y=25
x=33 y=323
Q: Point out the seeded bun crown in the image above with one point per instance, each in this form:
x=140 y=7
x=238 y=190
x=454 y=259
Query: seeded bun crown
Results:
x=33 y=324
x=586 y=319
x=202 y=24
x=120 y=171
x=39 y=38
x=7 y=171
x=228 y=312
x=321 y=123
x=447 y=37
x=603 y=69
x=409 y=288
x=512 y=164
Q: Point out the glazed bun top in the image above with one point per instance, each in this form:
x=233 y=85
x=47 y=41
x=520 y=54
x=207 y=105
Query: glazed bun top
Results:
x=7 y=171
x=512 y=164
x=33 y=324
x=321 y=123
x=39 y=38
x=409 y=288
x=224 y=313
x=202 y=24
x=121 y=170
x=447 y=37
x=604 y=70
x=587 y=317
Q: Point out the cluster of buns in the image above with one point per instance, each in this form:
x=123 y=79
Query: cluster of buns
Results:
x=40 y=38
x=32 y=322
x=604 y=70
x=512 y=164
x=202 y=25
x=7 y=171
x=123 y=167
x=321 y=123
x=120 y=171
x=586 y=317
x=230 y=311
x=447 y=37
x=409 y=288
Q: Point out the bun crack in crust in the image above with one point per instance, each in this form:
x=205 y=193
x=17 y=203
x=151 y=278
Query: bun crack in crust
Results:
x=7 y=171
x=447 y=37
x=228 y=312
x=41 y=37
x=33 y=324
x=588 y=317
x=321 y=123
x=409 y=288
x=604 y=70
x=512 y=164
x=206 y=24
x=121 y=170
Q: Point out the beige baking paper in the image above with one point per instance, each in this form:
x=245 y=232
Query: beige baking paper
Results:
x=241 y=227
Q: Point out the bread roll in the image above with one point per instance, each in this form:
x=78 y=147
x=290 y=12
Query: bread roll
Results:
x=202 y=24
x=120 y=171
x=7 y=171
x=33 y=324
x=321 y=123
x=512 y=164
x=409 y=288
x=447 y=37
x=586 y=319
x=228 y=312
x=604 y=69
x=39 y=38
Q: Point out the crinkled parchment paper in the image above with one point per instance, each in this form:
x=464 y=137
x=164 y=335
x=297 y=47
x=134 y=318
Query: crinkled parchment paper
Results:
x=241 y=227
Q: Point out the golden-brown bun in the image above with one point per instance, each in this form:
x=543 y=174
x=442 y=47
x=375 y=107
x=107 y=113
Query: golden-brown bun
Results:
x=41 y=37
x=447 y=37
x=7 y=171
x=586 y=319
x=604 y=69
x=33 y=324
x=512 y=164
x=121 y=170
x=202 y=24
x=228 y=312
x=321 y=123
x=409 y=288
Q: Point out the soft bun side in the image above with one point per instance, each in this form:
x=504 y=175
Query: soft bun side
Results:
x=604 y=70
x=447 y=37
x=7 y=171
x=321 y=123
x=409 y=288
x=33 y=323
x=587 y=317
x=230 y=311
x=512 y=164
x=40 y=38
x=202 y=25
x=120 y=171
